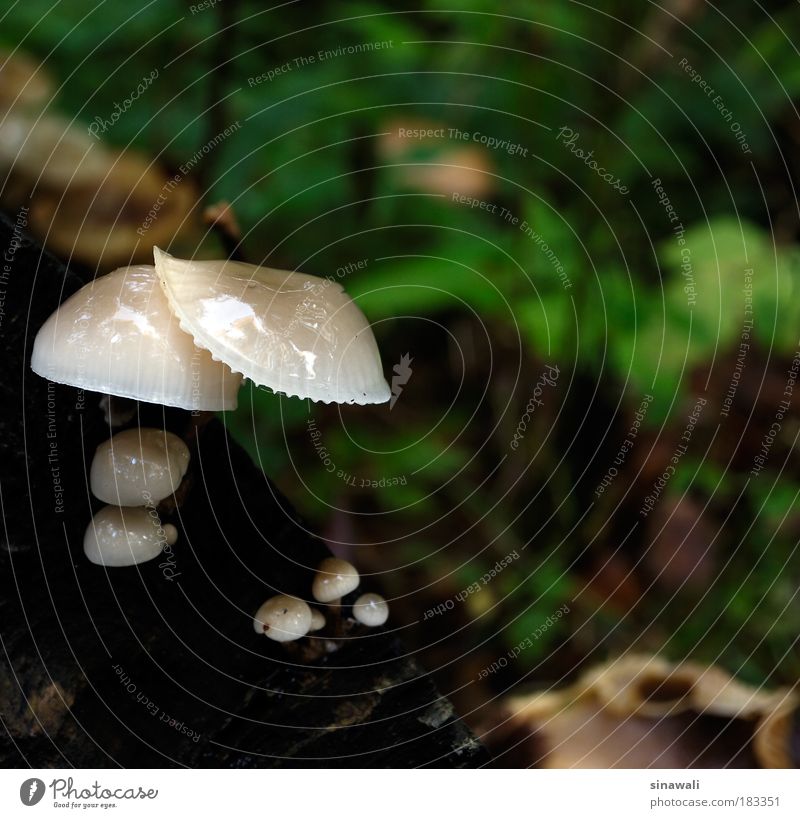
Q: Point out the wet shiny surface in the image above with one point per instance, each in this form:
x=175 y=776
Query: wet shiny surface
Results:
x=117 y=335
x=291 y=332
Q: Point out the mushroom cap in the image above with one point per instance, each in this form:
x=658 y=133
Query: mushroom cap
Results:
x=717 y=693
x=334 y=579
x=138 y=467
x=117 y=335
x=118 y=537
x=371 y=610
x=317 y=620
x=291 y=332
x=105 y=219
x=283 y=618
x=50 y=149
x=23 y=81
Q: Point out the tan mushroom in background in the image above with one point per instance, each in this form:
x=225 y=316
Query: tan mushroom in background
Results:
x=291 y=332
x=138 y=467
x=334 y=579
x=776 y=739
x=88 y=202
x=317 y=621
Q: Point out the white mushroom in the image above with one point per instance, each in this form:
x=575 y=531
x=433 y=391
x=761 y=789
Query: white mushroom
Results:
x=334 y=579
x=317 y=621
x=291 y=332
x=118 y=336
x=118 y=537
x=371 y=610
x=138 y=467
x=170 y=534
x=283 y=618
x=117 y=411
x=106 y=220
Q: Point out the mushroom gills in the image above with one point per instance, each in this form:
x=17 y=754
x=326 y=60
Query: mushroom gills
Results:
x=294 y=333
x=118 y=336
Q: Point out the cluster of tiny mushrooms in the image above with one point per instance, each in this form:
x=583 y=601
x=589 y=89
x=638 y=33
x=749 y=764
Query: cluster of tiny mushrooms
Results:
x=184 y=333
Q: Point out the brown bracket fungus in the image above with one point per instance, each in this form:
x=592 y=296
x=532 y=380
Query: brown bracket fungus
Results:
x=317 y=621
x=283 y=618
x=138 y=467
x=118 y=537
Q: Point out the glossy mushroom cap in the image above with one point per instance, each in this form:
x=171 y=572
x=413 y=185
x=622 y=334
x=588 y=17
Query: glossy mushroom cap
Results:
x=50 y=150
x=118 y=336
x=283 y=618
x=334 y=579
x=138 y=467
x=644 y=685
x=118 y=537
x=291 y=332
x=371 y=610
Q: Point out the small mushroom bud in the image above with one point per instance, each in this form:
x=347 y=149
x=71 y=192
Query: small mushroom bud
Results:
x=283 y=618
x=104 y=219
x=138 y=467
x=117 y=335
x=334 y=579
x=171 y=534
x=371 y=610
x=292 y=332
x=118 y=537
x=317 y=621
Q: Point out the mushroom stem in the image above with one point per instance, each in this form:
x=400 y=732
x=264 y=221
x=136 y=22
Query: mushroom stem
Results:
x=335 y=607
x=173 y=502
